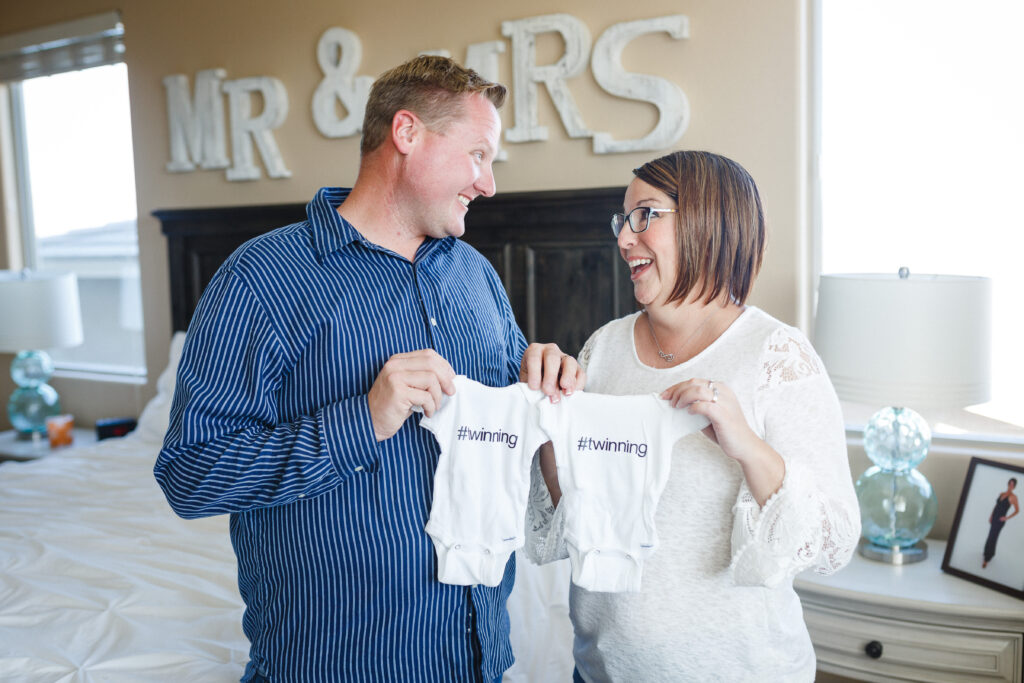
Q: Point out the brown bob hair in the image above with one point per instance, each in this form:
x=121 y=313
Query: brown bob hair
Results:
x=720 y=226
x=430 y=87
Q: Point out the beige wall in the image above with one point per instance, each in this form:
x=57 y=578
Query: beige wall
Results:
x=741 y=69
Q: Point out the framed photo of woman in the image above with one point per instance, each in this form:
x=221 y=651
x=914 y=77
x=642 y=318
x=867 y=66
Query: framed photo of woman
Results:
x=986 y=542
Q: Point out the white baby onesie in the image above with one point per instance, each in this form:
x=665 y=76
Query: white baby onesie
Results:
x=482 y=482
x=614 y=455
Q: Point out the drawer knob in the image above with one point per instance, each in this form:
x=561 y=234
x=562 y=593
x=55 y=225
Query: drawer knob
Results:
x=873 y=649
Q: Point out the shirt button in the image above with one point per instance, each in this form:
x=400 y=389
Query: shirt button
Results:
x=359 y=469
x=302 y=495
x=433 y=322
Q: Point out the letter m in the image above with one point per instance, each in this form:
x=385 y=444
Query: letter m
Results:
x=197 y=128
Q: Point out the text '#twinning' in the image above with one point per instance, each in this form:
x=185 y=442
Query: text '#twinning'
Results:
x=586 y=443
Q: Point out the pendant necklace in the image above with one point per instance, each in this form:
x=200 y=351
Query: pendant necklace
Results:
x=669 y=357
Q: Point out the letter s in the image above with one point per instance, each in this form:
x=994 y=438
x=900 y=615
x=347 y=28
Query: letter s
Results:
x=669 y=98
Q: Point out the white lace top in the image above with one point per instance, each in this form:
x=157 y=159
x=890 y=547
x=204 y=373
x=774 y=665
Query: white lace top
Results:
x=717 y=600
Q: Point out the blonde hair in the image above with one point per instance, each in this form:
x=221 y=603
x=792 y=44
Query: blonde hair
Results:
x=720 y=226
x=429 y=86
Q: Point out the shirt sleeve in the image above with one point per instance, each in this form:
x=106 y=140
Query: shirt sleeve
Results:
x=813 y=520
x=226 y=449
x=679 y=421
x=545 y=523
x=515 y=341
x=532 y=429
x=588 y=350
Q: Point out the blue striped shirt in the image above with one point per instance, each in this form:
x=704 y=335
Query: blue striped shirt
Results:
x=270 y=423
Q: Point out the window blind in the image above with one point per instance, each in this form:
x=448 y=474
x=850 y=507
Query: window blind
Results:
x=68 y=46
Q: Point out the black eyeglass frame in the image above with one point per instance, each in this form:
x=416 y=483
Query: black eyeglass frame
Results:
x=619 y=220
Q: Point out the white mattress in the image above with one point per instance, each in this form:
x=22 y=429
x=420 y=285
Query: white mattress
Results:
x=100 y=581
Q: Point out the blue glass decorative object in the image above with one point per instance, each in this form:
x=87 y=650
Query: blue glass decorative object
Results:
x=34 y=400
x=897 y=503
x=897 y=439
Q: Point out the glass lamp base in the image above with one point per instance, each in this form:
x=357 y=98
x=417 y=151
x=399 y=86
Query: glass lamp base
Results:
x=893 y=554
x=34 y=400
x=30 y=406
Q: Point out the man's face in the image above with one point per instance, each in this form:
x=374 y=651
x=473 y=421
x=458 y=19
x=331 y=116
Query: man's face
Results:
x=451 y=168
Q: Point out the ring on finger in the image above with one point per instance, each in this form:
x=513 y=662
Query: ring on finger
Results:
x=711 y=384
x=714 y=394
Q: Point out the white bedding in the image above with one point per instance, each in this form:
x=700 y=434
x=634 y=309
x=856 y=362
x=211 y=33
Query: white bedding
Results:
x=100 y=581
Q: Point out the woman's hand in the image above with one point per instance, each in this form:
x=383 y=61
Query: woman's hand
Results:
x=763 y=468
x=545 y=367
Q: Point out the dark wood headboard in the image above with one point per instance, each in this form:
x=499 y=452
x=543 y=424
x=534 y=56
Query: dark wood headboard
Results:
x=553 y=250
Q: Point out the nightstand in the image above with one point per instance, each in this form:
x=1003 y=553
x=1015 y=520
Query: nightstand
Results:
x=878 y=622
x=11 y=448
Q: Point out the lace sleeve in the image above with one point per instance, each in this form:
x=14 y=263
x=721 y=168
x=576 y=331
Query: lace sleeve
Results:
x=813 y=519
x=545 y=524
x=588 y=349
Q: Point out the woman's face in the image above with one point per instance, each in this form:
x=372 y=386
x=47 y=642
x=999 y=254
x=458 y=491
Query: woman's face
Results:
x=652 y=255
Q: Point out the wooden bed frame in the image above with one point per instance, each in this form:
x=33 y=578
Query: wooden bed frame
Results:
x=553 y=250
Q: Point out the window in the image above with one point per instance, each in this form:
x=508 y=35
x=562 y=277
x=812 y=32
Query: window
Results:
x=922 y=136
x=76 y=184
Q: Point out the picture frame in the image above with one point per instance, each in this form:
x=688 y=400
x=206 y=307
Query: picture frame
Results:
x=979 y=549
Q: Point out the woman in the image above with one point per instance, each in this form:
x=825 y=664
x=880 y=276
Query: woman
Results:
x=998 y=518
x=760 y=494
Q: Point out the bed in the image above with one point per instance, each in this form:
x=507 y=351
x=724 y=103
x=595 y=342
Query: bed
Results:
x=102 y=582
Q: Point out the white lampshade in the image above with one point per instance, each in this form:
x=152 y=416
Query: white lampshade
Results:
x=919 y=341
x=39 y=310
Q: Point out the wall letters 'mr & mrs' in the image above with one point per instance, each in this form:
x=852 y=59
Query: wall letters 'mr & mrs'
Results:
x=197 y=122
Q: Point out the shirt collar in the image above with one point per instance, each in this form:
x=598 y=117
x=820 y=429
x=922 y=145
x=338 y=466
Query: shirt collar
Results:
x=331 y=232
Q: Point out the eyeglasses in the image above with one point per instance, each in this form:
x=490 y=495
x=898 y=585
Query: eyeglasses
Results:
x=638 y=219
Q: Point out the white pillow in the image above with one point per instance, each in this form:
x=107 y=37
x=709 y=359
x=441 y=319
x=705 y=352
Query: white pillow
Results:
x=155 y=416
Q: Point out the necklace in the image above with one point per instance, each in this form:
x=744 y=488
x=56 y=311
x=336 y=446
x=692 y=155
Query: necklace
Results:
x=669 y=357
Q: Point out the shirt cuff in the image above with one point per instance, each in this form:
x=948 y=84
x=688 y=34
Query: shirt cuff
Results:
x=778 y=540
x=347 y=435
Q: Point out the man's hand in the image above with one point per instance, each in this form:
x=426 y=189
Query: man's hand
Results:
x=545 y=367
x=407 y=380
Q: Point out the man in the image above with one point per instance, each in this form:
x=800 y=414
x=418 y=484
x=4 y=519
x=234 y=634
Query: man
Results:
x=306 y=356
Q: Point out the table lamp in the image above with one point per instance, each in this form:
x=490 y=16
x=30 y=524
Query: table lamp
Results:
x=902 y=340
x=38 y=310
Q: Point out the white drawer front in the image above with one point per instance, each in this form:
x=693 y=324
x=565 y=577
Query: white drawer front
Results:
x=911 y=651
